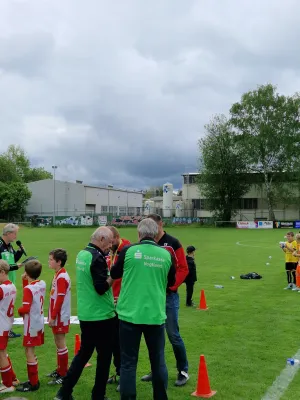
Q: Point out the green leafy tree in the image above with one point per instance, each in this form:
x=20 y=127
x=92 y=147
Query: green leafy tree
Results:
x=222 y=179
x=14 y=198
x=267 y=128
x=153 y=192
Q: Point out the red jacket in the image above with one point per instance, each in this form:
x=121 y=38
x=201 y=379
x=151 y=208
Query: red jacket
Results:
x=173 y=245
x=111 y=260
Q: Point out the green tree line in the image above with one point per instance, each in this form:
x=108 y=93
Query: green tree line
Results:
x=258 y=144
x=15 y=172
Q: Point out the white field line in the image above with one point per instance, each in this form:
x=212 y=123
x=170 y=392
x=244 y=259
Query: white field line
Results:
x=259 y=247
x=281 y=383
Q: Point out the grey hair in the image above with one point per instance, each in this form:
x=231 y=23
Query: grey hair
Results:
x=102 y=232
x=9 y=228
x=147 y=228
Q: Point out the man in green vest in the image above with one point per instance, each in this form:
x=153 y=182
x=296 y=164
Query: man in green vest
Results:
x=147 y=270
x=7 y=253
x=96 y=314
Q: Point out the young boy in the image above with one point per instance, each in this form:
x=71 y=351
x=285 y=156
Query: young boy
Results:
x=33 y=314
x=192 y=275
x=290 y=261
x=59 y=312
x=7 y=302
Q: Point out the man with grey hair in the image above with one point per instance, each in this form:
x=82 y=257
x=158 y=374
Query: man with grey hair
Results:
x=8 y=254
x=146 y=270
x=96 y=314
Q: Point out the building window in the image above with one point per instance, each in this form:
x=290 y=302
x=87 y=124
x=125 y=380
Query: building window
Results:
x=104 y=209
x=189 y=179
x=247 y=204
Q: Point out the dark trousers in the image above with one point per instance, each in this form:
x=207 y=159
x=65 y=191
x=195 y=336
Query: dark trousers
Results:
x=94 y=334
x=189 y=292
x=130 y=338
x=116 y=349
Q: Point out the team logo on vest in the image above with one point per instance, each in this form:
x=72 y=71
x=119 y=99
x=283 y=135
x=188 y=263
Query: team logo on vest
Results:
x=138 y=255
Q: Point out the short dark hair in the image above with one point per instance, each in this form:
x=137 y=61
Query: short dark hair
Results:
x=33 y=269
x=156 y=217
x=59 y=255
x=290 y=233
x=114 y=231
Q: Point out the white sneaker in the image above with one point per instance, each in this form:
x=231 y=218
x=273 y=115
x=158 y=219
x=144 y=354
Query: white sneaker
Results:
x=5 y=389
x=289 y=286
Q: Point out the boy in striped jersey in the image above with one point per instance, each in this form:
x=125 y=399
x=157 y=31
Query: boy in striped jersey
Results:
x=59 y=312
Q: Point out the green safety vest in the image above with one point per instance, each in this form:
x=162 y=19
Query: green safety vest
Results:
x=10 y=258
x=142 y=298
x=90 y=305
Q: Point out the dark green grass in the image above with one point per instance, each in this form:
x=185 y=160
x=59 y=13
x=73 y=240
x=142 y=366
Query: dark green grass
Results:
x=250 y=329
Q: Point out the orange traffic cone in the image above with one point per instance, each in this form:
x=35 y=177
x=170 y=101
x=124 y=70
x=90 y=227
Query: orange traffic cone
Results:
x=77 y=347
x=203 y=387
x=202 y=304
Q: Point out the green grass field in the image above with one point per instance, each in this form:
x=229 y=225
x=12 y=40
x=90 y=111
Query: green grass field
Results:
x=247 y=334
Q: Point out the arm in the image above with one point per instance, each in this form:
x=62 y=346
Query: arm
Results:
x=27 y=301
x=182 y=268
x=62 y=286
x=172 y=274
x=117 y=269
x=100 y=278
x=18 y=255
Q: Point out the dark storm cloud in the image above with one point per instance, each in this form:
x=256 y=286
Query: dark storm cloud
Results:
x=119 y=92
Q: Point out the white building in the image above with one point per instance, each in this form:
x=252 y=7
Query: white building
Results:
x=74 y=199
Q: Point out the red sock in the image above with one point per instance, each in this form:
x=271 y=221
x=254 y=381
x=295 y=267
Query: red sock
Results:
x=12 y=370
x=62 y=361
x=32 y=371
x=6 y=374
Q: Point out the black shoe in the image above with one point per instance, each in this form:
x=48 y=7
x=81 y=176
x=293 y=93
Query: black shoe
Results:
x=13 y=335
x=58 y=380
x=113 y=379
x=147 y=378
x=27 y=387
x=53 y=374
x=182 y=378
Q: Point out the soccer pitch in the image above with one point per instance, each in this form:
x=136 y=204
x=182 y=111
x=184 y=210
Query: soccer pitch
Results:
x=247 y=334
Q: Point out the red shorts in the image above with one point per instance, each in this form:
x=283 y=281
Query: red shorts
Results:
x=33 y=341
x=60 y=329
x=4 y=340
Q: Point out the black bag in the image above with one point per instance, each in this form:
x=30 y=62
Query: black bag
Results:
x=251 y=275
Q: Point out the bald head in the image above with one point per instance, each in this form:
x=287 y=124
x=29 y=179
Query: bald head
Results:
x=102 y=237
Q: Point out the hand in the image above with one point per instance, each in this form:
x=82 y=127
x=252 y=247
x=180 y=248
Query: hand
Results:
x=109 y=280
x=20 y=265
x=51 y=322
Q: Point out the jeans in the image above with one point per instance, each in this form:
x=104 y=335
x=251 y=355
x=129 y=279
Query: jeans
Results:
x=94 y=334
x=189 y=292
x=130 y=338
x=172 y=329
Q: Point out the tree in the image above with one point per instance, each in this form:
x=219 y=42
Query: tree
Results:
x=14 y=198
x=267 y=128
x=153 y=192
x=221 y=179
x=19 y=165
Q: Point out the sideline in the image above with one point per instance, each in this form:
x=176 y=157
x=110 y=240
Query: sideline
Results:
x=281 y=383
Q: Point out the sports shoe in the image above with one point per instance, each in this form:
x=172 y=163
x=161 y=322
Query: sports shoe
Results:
x=147 y=378
x=53 y=374
x=13 y=335
x=5 y=389
x=113 y=379
x=58 y=380
x=289 y=286
x=28 y=387
x=182 y=378
x=15 y=383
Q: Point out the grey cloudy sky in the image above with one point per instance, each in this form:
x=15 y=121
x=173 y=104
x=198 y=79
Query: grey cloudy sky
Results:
x=119 y=91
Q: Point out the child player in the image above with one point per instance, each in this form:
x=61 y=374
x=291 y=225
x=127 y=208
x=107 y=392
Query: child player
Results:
x=290 y=261
x=33 y=314
x=7 y=302
x=59 y=312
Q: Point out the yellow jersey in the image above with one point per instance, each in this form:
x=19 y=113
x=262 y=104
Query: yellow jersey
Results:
x=289 y=255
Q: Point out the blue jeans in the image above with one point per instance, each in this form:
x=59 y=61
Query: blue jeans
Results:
x=130 y=338
x=172 y=328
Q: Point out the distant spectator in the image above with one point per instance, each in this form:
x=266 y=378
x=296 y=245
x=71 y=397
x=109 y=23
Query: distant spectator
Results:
x=192 y=275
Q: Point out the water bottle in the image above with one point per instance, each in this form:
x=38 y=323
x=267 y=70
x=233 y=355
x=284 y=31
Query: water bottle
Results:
x=292 y=361
x=219 y=287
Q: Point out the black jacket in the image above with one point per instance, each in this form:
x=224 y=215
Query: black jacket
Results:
x=99 y=269
x=192 y=276
x=8 y=247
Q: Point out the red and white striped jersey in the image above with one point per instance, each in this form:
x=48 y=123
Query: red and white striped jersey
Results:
x=34 y=296
x=8 y=294
x=60 y=299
